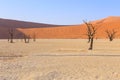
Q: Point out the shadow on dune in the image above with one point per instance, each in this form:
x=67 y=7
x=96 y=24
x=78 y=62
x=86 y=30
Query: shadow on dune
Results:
x=4 y=33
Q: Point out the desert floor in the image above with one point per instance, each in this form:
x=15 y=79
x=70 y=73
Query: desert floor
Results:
x=60 y=59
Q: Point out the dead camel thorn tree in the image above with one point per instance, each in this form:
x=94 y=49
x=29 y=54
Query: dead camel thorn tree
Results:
x=11 y=32
x=26 y=38
x=88 y=33
x=91 y=31
x=111 y=34
x=34 y=36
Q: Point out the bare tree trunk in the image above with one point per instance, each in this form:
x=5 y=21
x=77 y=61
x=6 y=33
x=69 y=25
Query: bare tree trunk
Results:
x=11 y=32
x=8 y=39
x=91 y=43
x=34 y=40
x=25 y=38
x=28 y=39
x=34 y=37
x=111 y=39
x=11 y=38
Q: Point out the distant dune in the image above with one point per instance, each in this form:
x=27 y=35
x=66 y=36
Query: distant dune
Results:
x=59 y=31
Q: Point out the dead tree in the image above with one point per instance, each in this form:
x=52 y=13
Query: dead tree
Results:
x=88 y=33
x=11 y=33
x=91 y=31
x=34 y=37
x=111 y=34
x=26 y=38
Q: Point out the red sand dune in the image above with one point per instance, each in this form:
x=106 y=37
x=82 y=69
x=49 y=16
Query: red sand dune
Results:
x=76 y=31
x=73 y=31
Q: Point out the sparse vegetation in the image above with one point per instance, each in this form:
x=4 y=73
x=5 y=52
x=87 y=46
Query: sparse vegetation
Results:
x=11 y=32
x=34 y=36
x=111 y=34
x=26 y=38
x=91 y=31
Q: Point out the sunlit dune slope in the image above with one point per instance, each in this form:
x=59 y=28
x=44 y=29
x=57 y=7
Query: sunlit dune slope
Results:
x=54 y=32
x=76 y=31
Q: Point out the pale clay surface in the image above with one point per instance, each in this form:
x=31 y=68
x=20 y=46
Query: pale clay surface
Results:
x=60 y=59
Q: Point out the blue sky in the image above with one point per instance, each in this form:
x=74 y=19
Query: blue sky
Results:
x=61 y=12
